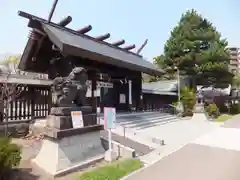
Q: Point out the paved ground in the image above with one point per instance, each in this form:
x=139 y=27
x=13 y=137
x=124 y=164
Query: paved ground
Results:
x=194 y=162
x=175 y=132
x=213 y=156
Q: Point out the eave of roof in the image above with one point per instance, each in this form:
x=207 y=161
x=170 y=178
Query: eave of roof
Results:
x=163 y=86
x=149 y=91
x=70 y=43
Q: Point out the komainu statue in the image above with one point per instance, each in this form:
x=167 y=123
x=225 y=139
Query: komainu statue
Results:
x=70 y=91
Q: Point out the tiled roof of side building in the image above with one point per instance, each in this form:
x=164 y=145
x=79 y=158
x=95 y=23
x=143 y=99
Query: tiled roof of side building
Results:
x=165 y=87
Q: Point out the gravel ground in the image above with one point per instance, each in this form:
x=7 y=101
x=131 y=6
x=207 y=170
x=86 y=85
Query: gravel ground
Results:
x=26 y=170
x=30 y=148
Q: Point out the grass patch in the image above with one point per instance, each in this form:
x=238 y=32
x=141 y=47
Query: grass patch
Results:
x=113 y=171
x=223 y=117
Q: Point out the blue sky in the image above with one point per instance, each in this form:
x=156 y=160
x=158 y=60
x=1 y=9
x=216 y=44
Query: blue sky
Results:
x=133 y=20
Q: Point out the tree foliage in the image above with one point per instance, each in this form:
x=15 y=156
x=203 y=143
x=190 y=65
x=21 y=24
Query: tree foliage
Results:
x=236 y=80
x=196 y=48
x=9 y=65
x=8 y=91
x=188 y=100
x=170 y=73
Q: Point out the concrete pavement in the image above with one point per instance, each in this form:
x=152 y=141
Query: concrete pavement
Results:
x=176 y=132
x=213 y=156
x=194 y=162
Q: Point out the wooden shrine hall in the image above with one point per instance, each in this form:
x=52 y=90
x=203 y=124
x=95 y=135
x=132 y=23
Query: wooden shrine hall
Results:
x=54 y=49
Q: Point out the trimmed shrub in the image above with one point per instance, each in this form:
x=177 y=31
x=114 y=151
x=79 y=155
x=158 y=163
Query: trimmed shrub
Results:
x=187 y=112
x=220 y=101
x=10 y=156
x=212 y=110
x=188 y=100
x=235 y=108
x=223 y=108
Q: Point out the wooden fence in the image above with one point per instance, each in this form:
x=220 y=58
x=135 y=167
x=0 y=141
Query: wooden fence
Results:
x=35 y=99
x=33 y=102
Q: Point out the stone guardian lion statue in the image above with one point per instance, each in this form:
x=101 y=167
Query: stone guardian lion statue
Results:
x=71 y=90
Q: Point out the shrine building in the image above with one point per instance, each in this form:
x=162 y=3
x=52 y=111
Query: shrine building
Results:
x=54 y=49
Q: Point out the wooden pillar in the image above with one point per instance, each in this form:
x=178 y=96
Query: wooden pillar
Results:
x=93 y=92
x=138 y=91
x=141 y=101
x=49 y=101
x=32 y=103
x=130 y=95
x=101 y=99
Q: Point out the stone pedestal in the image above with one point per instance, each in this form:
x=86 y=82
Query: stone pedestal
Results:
x=66 y=148
x=60 y=117
x=64 y=151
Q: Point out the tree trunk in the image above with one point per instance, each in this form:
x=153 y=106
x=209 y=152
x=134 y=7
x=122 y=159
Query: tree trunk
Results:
x=6 y=120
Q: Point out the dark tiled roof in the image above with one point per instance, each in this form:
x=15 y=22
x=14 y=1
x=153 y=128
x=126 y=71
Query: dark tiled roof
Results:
x=111 y=55
x=166 y=87
x=73 y=43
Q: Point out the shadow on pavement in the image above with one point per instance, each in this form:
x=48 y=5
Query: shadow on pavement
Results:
x=21 y=174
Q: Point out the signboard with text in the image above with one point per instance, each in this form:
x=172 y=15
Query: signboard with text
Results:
x=122 y=98
x=109 y=117
x=77 y=119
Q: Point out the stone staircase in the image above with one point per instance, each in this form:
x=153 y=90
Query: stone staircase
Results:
x=131 y=127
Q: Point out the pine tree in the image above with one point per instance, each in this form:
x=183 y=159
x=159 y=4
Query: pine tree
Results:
x=170 y=74
x=196 y=48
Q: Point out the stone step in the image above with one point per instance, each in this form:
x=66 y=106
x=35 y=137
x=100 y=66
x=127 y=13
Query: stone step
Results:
x=143 y=118
x=159 y=123
x=148 y=122
x=142 y=115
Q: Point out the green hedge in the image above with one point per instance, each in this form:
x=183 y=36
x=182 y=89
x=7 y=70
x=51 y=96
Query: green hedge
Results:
x=212 y=110
x=10 y=156
x=235 y=108
x=113 y=171
x=188 y=100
